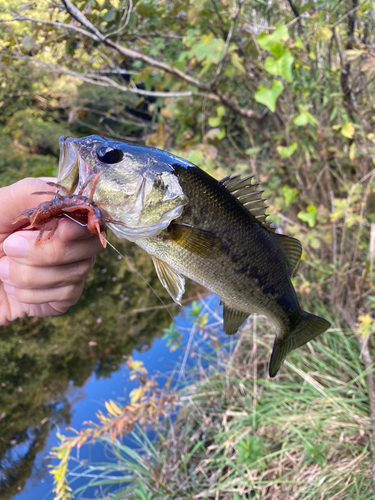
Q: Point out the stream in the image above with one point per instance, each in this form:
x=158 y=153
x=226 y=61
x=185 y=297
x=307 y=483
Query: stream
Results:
x=58 y=372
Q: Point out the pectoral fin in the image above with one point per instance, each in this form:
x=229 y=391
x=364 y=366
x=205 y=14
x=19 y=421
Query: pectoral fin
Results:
x=173 y=282
x=292 y=249
x=194 y=240
x=233 y=319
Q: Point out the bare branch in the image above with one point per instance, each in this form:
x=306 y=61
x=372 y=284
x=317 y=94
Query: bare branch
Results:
x=369 y=81
x=340 y=48
x=69 y=27
x=93 y=33
x=345 y=64
x=78 y=16
x=225 y=52
x=111 y=131
x=296 y=13
x=133 y=54
x=133 y=121
x=104 y=81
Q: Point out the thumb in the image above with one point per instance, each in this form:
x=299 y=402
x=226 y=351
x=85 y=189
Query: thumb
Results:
x=18 y=197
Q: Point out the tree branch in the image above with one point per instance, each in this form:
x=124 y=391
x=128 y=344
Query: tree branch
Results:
x=345 y=64
x=295 y=12
x=94 y=34
x=225 y=52
x=104 y=81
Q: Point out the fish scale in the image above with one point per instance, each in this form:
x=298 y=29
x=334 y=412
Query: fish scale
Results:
x=214 y=232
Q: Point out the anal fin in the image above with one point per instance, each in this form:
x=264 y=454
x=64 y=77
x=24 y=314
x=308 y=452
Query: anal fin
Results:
x=173 y=282
x=233 y=318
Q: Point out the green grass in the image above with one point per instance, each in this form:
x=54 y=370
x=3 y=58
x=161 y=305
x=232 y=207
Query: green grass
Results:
x=239 y=434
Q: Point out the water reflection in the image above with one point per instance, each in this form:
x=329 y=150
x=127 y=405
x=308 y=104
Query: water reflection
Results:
x=40 y=359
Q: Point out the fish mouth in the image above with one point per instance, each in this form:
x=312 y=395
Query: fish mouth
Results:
x=73 y=170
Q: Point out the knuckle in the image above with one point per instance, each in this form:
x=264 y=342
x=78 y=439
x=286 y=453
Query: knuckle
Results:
x=27 y=277
x=77 y=271
x=22 y=276
x=86 y=266
x=71 y=293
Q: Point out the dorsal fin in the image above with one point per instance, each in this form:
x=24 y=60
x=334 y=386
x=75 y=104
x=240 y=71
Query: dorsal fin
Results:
x=292 y=249
x=250 y=196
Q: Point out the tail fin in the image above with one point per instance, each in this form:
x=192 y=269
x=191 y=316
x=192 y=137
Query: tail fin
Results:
x=309 y=327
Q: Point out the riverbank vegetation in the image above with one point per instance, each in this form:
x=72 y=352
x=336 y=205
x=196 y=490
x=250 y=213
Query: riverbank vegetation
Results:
x=239 y=434
x=283 y=90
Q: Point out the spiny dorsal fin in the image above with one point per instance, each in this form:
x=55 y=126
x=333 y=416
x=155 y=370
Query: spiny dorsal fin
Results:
x=232 y=319
x=173 y=282
x=250 y=196
x=292 y=249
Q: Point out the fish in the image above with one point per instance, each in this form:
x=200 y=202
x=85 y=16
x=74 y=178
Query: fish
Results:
x=212 y=231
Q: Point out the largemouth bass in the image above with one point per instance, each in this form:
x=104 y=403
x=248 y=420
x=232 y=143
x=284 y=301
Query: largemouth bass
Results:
x=214 y=232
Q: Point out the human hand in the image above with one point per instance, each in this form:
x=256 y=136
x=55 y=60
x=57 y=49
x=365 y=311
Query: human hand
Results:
x=43 y=280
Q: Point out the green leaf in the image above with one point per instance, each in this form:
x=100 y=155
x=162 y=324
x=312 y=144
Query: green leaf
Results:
x=285 y=152
x=220 y=110
x=195 y=310
x=290 y=195
x=110 y=15
x=216 y=133
x=236 y=61
x=299 y=45
x=304 y=117
x=281 y=67
x=208 y=49
x=309 y=216
x=275 y=41
x=214 y=121
x=252 y=151
x=250 y=449
x=268 y=97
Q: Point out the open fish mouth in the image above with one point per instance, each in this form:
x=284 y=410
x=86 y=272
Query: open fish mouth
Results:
x=73 y=170
x=137 y=189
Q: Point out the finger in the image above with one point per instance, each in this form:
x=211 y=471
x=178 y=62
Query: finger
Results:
x=21 y=247
x=29 y=277
x=17 y=198
x=71 y=230
x=67 y=295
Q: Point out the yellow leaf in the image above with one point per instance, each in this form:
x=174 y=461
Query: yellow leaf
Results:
x=136 y=394
x=352 y=55
x=352 y=151
x=348 y=130
x=365 y=319
x=324 y=33
x=136 y=366
x=112 y=408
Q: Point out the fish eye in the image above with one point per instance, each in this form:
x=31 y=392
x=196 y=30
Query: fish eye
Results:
x=109 y=155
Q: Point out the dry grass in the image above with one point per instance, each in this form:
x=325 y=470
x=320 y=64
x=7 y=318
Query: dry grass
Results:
x=239 y=435
x=303 y=436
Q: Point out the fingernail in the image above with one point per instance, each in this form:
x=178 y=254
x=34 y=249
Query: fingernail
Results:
x=16 y=246
x=4 y=269
x=8 y=289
